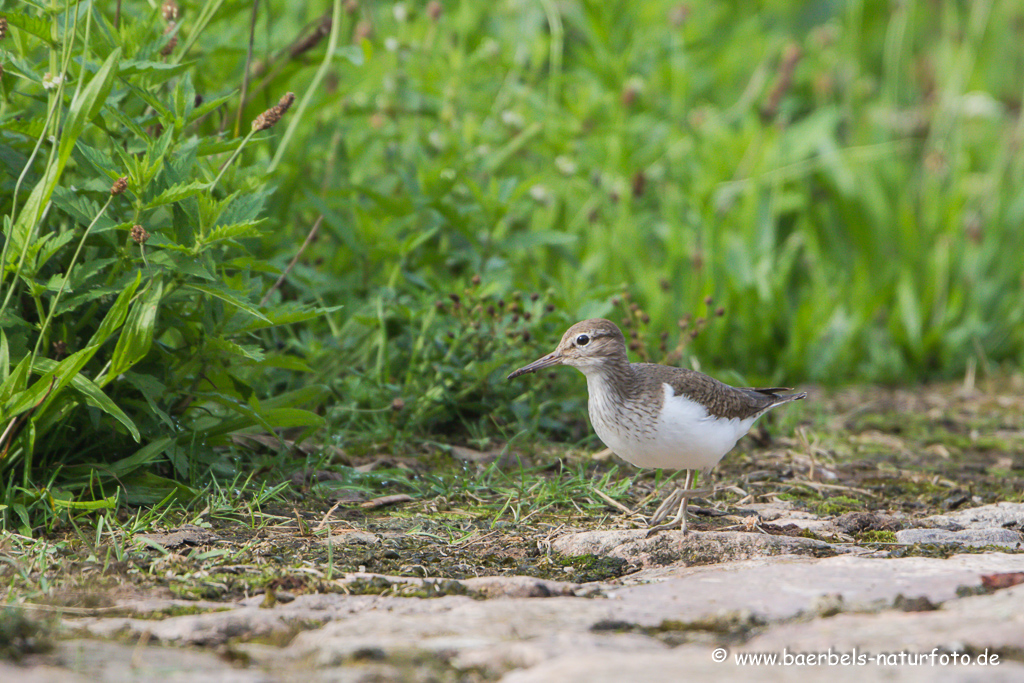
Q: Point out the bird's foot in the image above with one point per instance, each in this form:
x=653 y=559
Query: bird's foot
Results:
x=673 y=500
x=681 y=498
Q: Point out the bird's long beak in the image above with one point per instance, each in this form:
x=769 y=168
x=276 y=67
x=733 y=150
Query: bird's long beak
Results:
x=553 y=358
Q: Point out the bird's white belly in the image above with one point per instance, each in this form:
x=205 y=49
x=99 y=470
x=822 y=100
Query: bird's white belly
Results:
x=681 y=436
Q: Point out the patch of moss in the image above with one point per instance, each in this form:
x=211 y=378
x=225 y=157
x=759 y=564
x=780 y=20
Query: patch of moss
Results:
x=837 y=505
x=375 y=585
x=876 y=536
x=20 y=635
x=799 y=495
x=594 y=567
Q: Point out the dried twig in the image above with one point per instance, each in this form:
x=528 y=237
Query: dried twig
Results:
x=387 y=500
x=280 y=280
x=248 y=66
x=614 y=503
x=323 y=522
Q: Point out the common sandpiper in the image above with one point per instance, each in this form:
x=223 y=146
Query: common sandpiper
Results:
x=656 y=415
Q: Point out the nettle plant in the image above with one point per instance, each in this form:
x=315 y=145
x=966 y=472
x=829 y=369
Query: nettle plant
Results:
x=130 y=309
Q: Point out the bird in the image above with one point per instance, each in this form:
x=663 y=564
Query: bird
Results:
x=658 y=416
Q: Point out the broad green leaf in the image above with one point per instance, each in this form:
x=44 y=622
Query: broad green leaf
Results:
x=284 y=315
x=16 y=381
x=52 y=246
x=146 y=488
x=81 y=208
x=5 y=358
x=82 y=110
x=98 y=160
x=176 y=193
x=93 y=395
x=137 y=333
x=209 y=147
x=229 y=296
x=87 y=105
x=353 y=53
x=54 y=377
x=30 y=23
x=158 y=72
x=108 y=503
x=116 y=315
x=206 y=107
x=284 y=363
x=146 y=455
x=129 y=122
x=276 y=418
x=161 y=109
x=224 y=232
x=251 y=352
x=313 y=394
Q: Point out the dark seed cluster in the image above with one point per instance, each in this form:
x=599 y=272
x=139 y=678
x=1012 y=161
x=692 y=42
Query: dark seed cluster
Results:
x=635 y=323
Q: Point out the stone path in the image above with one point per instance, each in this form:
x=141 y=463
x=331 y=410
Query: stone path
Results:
x=669 y=621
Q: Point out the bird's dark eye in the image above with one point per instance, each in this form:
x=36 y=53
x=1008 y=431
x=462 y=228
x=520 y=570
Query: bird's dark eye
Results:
x=582 y=340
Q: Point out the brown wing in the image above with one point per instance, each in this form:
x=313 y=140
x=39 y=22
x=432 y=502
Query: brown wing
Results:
x=721 y=400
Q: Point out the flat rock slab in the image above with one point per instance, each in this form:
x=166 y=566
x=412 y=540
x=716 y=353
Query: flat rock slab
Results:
x=537 y=630
x=781 y=588
x=675 y=547
x=994 y=622
x=976 y=538
x=688 y=595
x=690 y=663
x=1008 y=515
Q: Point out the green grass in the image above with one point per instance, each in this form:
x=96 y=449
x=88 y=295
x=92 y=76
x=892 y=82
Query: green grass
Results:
x=840 y=182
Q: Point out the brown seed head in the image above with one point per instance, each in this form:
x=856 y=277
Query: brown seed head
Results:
x=271 y=116
x=628 y=96
x=351 y=6
x=170 y=10
x=639 y=182
x=139 y=234
x=119 y=186
x=475 y=280
x=172 y=43
x=59 y=349
x=720 y=311
x=364 y=30
x=3 y=27
x=397 y=404
x=679 y=14
x=434 y=10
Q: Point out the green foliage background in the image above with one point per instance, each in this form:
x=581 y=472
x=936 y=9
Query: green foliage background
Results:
x=844 y=179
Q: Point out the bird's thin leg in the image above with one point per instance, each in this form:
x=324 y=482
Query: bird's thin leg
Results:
x=669 y=503
x=679 y=520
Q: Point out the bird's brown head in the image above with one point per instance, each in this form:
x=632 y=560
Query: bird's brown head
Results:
x=588 y=345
